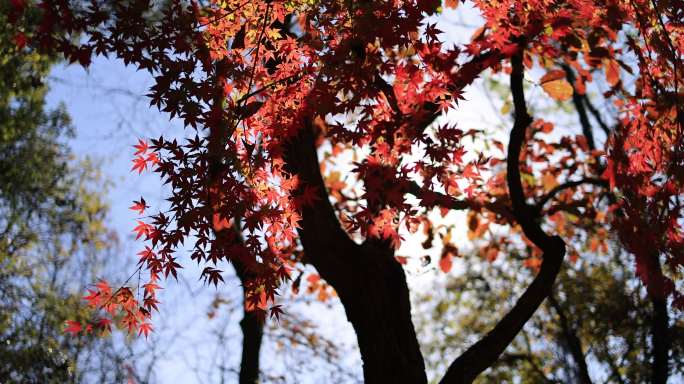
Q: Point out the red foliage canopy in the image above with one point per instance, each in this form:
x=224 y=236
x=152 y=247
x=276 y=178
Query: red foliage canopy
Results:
x=248 y=77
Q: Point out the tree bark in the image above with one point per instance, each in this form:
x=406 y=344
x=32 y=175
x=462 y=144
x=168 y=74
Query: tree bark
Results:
x=573 y=341
x=659 y=326
x=369 y=281
x=252 y=333
x=487 y=350
x=660 y=370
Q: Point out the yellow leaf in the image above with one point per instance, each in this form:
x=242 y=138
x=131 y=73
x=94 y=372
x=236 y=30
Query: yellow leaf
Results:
x=506 y=107
x=559 y=89
x=446 y=238
x=549 y=182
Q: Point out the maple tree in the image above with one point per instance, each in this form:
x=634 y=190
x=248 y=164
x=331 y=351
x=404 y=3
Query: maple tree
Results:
x=263 y=86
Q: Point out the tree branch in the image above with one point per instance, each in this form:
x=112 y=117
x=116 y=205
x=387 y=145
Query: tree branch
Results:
x=487 y=350
x=567 y=185
x=462 y=78
x=322 y=236
x=596 y=114
x=579 y=106
x=573 y=341
x=446 y=201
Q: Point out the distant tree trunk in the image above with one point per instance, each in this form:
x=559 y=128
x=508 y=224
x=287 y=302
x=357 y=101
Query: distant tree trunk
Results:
x=659 y=327
x=252 y=333
x=573 y=342
x=660 y=341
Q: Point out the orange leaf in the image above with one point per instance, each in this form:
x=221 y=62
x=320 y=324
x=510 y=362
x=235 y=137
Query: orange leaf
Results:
x=532 y=262
x=403 y=260
x=313 y=278
x=549 y=182
x=491 y=254
x=453 y=4
x=554 y=75
x=445 y=263
x=612 y=72
x=555 y=85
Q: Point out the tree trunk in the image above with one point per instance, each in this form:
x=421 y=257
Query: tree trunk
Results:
x=252 y=333
x=369 y=281
x=376 y=300
x=659 y=323
x=572 y=341
x=372 y=286
x=661 y=348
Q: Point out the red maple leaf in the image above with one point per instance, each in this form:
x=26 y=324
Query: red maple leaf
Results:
x=445 y=263
x=146 y=254
x=93 y=299
x=104 y=324
x=144 y=328
x=139 y=206
x=20 y=40
x=308 y=197
x=142 y=229
x=73 y=327
x=141 y=147
x=277 y=311
x=139 y=164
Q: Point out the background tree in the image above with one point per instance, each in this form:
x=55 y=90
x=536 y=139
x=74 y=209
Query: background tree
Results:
x=596 y=326
x=52 y=221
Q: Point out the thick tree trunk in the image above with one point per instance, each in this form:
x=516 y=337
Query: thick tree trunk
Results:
x=372 y=285
x=369 y=281
x=376 y=300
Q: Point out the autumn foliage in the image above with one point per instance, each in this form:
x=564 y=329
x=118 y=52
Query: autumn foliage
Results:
x=259 y=85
